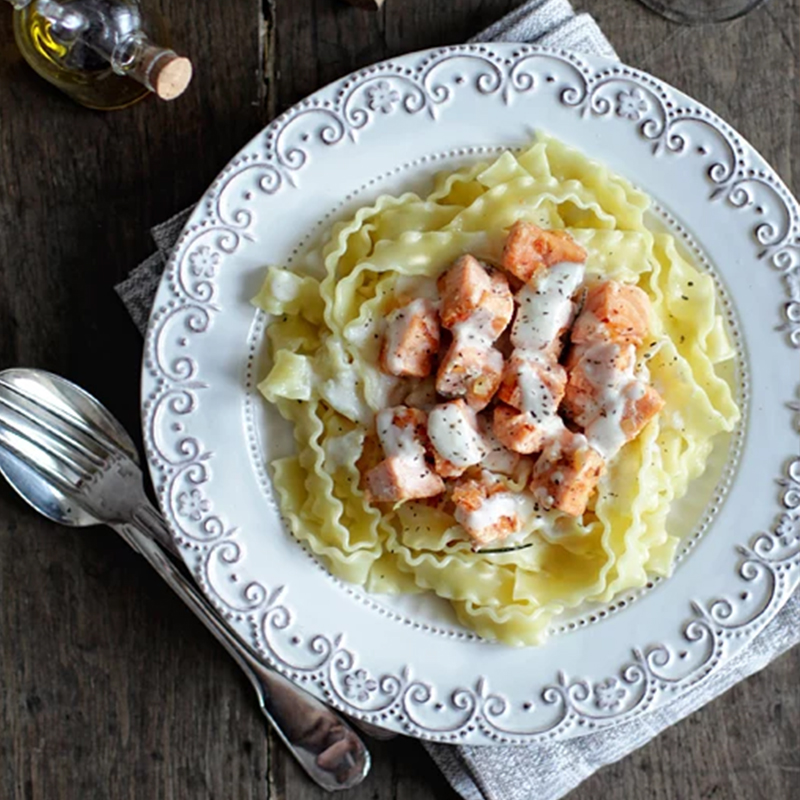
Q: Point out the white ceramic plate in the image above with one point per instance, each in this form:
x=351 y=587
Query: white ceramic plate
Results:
x=404 y=663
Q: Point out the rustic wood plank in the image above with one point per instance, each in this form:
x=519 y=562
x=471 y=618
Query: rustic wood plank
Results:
x=108 y=688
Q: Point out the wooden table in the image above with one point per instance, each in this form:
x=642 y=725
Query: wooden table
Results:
x=108 y=687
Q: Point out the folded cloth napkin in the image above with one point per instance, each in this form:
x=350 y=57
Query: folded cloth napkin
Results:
x=541 y=771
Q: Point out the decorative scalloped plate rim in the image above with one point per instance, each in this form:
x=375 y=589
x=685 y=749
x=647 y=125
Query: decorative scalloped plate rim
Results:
x=206 y=446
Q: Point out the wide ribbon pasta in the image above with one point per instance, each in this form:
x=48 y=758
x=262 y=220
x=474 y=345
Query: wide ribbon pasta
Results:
x=324 y=341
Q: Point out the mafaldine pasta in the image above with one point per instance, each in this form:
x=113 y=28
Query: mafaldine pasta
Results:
x=449 y=438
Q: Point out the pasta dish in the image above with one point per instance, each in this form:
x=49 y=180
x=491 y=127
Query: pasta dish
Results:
x=497 y=390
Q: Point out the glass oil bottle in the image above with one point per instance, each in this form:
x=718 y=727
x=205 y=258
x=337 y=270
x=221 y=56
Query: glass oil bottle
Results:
x=105 y=54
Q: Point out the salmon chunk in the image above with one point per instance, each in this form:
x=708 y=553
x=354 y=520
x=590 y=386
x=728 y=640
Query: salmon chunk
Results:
x=521 y=432
x=473 y=373
x=533 y=383
x=462 y=288
x=498 y=303
x=597 y=373
x=616 y=311
x=397 y=478
x=641 y=406
x=498 y=457
x=485 y=510
x=566 y=474
x=477 y=297
x=411 y=340
x=529 y=248
x=404 y=473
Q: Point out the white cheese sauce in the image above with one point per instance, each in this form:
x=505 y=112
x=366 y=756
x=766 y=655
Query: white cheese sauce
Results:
x=344 y=391
x=452 y=429
x=535 y=395
x=343 y=395
x=475 y=331
x=614 y=388
x=545 y=306
x=490 y=512
x=397 y=440
x=518 y=507
x=417 y=286
x=344 y=450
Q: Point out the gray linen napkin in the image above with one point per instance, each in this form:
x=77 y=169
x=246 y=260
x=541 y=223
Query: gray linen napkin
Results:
x=541 y=771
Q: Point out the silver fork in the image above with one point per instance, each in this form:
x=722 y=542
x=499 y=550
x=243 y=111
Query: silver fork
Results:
x=71 y=460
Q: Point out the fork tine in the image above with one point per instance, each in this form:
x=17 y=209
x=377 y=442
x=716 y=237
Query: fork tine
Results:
x=44 y=462
x=64 y=415
x=41 y=418
x=40 y=436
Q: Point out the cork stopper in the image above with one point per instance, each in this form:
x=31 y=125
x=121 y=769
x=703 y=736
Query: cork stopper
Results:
x=161 y=70
x=170 y=76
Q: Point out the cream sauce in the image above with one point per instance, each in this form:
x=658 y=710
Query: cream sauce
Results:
x=535 y=395
x=476 y=330
x=344 y=450
x=398 y=440
x=614 y=389
x=342 y=394
x=417 y=286
x=545 y=306
x=490 y=512
x=452 y=429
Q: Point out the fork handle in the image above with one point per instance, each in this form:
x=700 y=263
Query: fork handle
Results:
x=325 y=746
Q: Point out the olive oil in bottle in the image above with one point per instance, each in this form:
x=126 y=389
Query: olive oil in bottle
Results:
x=102 y=53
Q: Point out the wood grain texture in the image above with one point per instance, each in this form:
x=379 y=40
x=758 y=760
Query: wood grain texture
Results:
x=108 y=688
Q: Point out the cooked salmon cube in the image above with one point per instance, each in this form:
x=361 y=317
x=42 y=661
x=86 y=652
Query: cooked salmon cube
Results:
x=616 y=311
x=411 y=340
x=498 y=303
x=486 y=511
x=643 y=402
x=520 y=432
x=404 y=473
x=533 y=383
x=445 y=468
x=529 y=248
x=473 y=373
x=462 y=288
x=477 y=297
x=498 y=457
x=566 y=473
x=596 y=371
x=399 y=478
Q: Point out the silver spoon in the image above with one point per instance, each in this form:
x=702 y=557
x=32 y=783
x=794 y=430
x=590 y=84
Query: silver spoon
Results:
x=74 y=463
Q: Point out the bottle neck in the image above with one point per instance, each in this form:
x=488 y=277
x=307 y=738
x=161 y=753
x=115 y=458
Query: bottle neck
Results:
x=160 y=69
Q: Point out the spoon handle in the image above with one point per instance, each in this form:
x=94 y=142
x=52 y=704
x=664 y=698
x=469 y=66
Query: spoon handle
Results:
x=325 y=746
